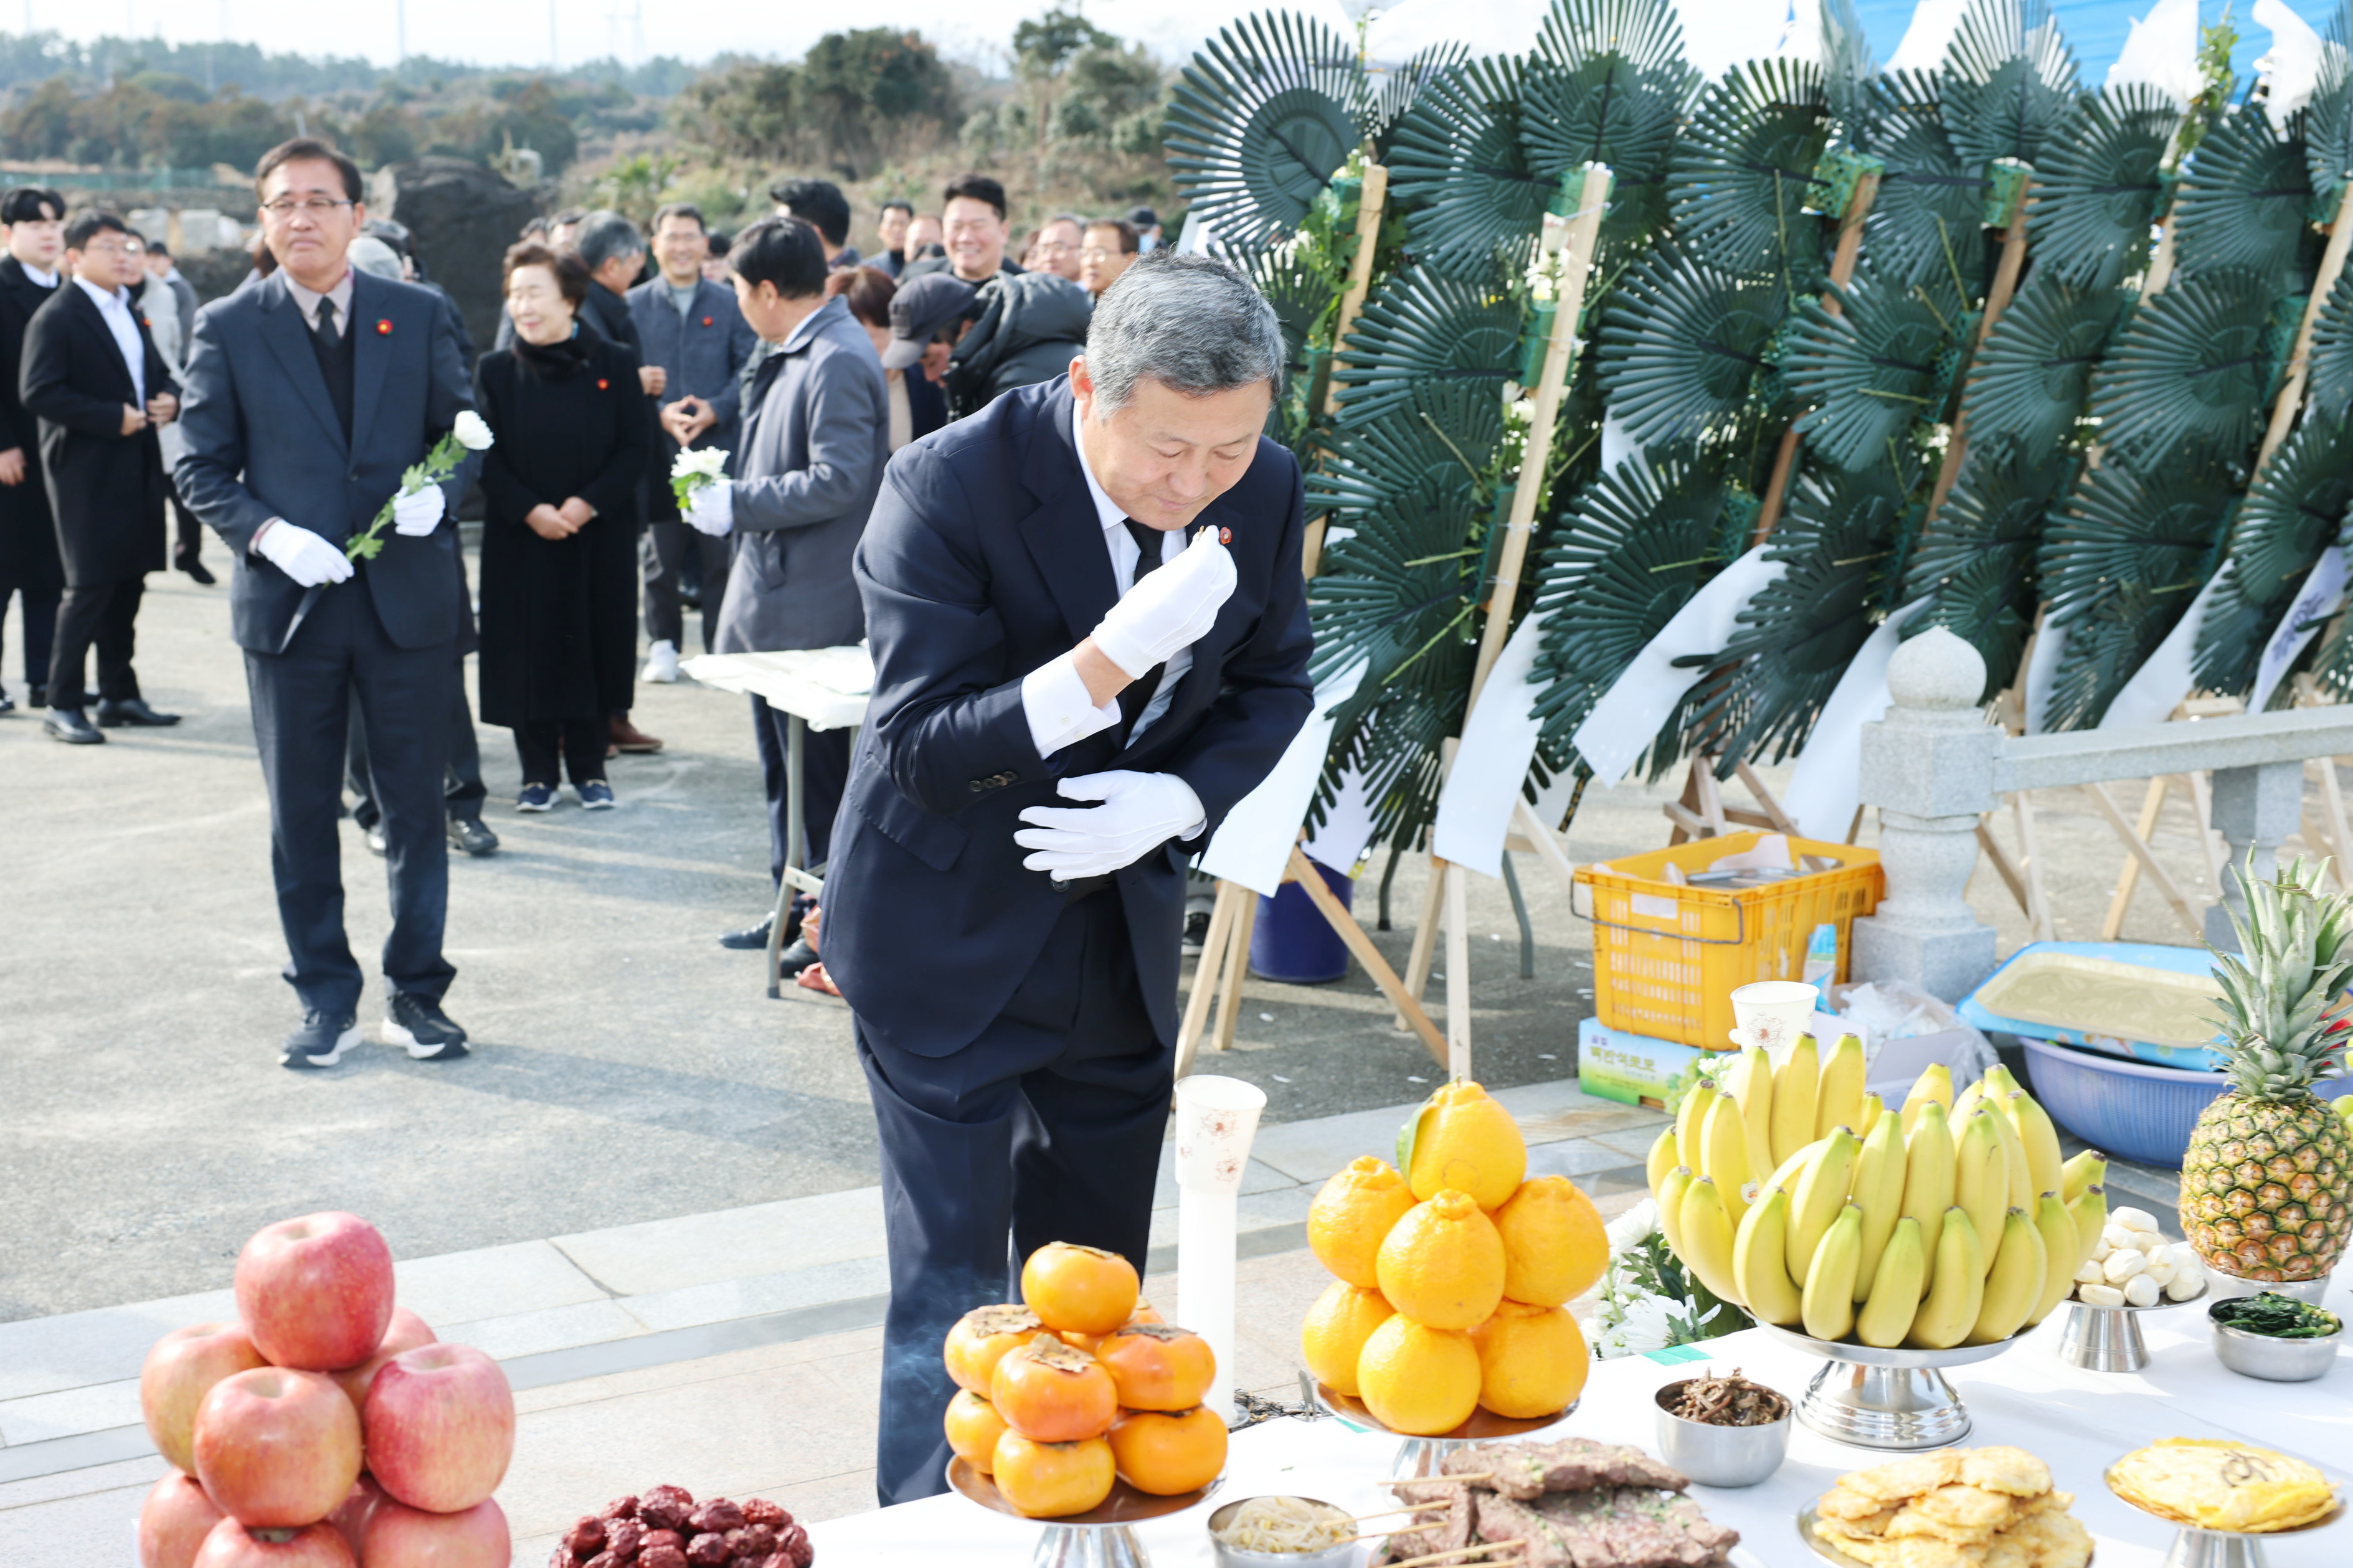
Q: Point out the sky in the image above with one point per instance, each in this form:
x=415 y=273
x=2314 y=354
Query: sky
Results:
x=536 y=32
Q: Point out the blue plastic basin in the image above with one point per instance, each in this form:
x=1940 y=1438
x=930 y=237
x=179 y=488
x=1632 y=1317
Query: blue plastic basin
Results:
x=2129 y=1110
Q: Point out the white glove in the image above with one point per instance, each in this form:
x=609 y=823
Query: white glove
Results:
x=419 y=514
x=302 y=555
x=1170 y=609
x=1140 y=812
x=712 y=509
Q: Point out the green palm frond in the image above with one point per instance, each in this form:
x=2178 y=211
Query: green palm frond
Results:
x=1393 y=91
x=1975 y=561
x=2192 y=365
x=1742 y=168
x=2331 y=364
x=1631 y=549
x=1301 y=294
x=1839 y=539
x=1609 y=84
x=1926 y=223
x=1869 y=367
x=1401 y=581
x=2329 y=118
x=2008 y=78
x=1393 y=736
x=2034 y=371
x=2121 y=526
x=2244 y=197
x=1421 y=326
x=1848 y=68
x=2097 y=190
x=1258 y=121
x=2105 y=648
x=1458 y=167
x=2290 y=516
x=1434 y=448
x=1682 y=345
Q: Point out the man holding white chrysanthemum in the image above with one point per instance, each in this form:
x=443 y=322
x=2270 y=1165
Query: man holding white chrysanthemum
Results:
x=807 y=463
x=328 y=429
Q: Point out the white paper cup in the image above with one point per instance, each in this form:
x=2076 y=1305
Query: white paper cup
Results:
x=1772 y=1013
x=1217 y=1118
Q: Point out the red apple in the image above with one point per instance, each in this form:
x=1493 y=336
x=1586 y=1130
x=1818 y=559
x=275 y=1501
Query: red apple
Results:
x=407 y=1332
x=398 y=1536
x=232 y=1545
x=174 y=1522
x=316 y=1292
x=180 y=1371
x=440 y=1427
x=351 y=1515
x=276 y=1447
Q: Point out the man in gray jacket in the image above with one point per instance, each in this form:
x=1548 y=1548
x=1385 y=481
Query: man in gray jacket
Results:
x=809 y=462
x=690 y=329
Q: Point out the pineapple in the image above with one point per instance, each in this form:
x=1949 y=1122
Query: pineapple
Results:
x=2265 y=1185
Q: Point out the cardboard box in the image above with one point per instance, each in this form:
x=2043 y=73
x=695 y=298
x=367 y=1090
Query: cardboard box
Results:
x=1635 y=1070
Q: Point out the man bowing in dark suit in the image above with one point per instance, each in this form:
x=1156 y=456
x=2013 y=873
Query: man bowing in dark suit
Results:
x=93 y=379
x=1090 y=641
x=307 y=393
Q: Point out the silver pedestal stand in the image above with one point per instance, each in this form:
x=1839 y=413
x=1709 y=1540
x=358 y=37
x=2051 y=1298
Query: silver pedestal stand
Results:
x=1100 y=1538
x=2197 y=1548
x=1423 y=1458
x=1895 y=1399
x=2107 y=1338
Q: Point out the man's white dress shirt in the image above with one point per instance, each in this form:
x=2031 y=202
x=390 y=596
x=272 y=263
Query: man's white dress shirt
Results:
x=114 y=305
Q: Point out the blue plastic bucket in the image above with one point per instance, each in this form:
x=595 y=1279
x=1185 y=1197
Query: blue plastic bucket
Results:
x=1292 y=941
x=2131 y=1110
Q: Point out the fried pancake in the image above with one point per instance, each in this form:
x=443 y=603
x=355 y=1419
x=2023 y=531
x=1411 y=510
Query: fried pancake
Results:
x=1905 y=1479
x=2004 y=1469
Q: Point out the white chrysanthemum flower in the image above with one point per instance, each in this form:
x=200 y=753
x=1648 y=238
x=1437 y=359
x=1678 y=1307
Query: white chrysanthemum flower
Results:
x=698 y=463
x=473 y=433
x=1633 y=1228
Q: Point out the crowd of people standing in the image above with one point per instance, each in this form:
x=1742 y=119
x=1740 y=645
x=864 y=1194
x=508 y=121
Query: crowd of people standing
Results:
x=619 y=347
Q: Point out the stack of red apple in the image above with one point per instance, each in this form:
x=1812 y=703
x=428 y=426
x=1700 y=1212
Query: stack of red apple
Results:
x=668 y=1528
x=326 y=1429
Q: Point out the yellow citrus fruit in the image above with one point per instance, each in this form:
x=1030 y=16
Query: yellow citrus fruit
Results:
x=1466 y=1142
x=1554 y=1244
x=1442 y=1264
x=1532 y=1360
x=1419 y=1381
x=1352 y=1213
x=1335 y=1331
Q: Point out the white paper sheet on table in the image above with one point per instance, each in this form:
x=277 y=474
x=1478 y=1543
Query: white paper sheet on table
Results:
x=827 y=687
x=1252 y=845
x=1626 y=719
x=1827 y=783
x=1499 y=741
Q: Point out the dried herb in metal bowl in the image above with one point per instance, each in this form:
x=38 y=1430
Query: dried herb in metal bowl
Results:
x=2276 y=1316
x=1729 y=1402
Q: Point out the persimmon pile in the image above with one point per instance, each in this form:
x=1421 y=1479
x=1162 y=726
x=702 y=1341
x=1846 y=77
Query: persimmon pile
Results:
x=1080 y=1386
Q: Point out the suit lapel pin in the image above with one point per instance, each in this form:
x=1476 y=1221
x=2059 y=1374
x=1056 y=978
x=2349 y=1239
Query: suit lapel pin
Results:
x=602 y=384
x=706 y=321
x=1225 y=536
x=384 y=328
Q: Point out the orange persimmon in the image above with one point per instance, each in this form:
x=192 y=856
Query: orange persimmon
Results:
x=980 y=1340
x=1157 y=1366
x=1079 y=1289
x=1053 y=1392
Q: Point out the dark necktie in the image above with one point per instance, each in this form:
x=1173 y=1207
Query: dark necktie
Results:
x=326 y=324
x=1137 y=695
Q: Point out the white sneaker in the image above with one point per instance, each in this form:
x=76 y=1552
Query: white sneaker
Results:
x=661 y=663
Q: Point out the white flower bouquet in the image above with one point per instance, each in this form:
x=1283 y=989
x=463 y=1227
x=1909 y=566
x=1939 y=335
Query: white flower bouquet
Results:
x=694 y=468
x=1645 y=1301
x=468 y=432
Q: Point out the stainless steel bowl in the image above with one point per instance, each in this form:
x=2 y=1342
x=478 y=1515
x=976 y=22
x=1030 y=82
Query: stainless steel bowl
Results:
x=2310 y=1291
x=1345 y=1556
x=1719 y=1456
x=2269 y=1357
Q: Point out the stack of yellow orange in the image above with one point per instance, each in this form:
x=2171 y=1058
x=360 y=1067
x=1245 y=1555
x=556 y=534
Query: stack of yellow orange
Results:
x=1082 y=1385
x=1450 y=1278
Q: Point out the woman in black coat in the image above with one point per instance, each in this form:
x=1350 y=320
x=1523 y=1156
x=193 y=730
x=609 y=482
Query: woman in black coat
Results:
x=559 y=547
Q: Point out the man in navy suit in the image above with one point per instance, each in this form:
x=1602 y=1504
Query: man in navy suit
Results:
x=1068 y=699
x=307 y=393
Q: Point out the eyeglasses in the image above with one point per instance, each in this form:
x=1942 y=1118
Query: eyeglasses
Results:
x=113 y=247
x=285 y=207
x=974 y=225
x=1099 y=253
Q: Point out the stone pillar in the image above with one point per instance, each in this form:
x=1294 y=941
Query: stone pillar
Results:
x=2254 y=808
x=1928 y=766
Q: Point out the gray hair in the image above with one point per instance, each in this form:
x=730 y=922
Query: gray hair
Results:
x=1191 y=322
x=605 y=234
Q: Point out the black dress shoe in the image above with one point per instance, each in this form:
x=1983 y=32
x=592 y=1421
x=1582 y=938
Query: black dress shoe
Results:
x=794 y=959
x=418 y=1023
x=196 y=570
x=751 y=938
x=39 y=698
x=468 y=833
x=133 y=712
x=71 y=726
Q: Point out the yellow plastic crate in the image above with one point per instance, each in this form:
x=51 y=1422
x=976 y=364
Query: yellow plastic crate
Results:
x=1666 y=958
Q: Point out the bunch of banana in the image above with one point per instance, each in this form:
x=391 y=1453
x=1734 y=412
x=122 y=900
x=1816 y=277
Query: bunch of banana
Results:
x=1792 y=1191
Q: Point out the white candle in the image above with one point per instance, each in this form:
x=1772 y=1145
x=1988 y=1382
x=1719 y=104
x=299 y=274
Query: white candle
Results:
x=1215 y=1119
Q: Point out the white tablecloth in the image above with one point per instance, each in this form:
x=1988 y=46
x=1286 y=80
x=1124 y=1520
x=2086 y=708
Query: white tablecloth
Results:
x=825 y=686
x=2079 y=1421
